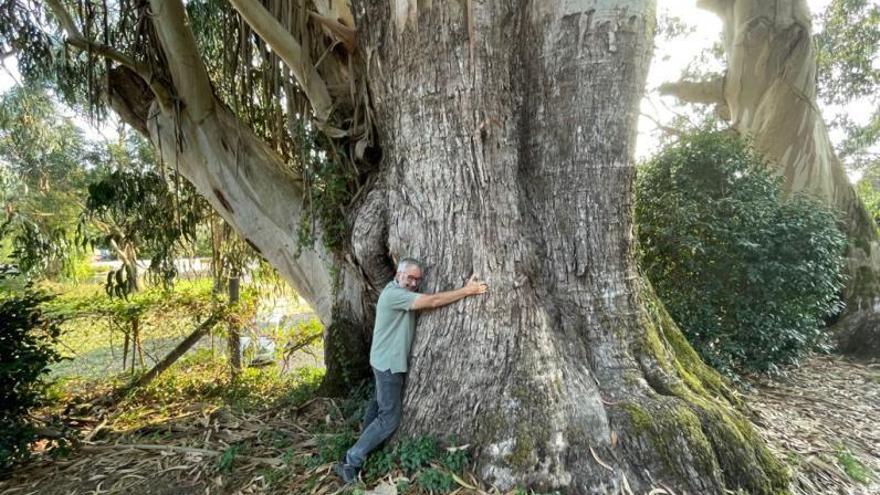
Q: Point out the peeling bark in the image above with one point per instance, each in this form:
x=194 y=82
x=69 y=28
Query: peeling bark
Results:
x=519 y=168
x=770 y=92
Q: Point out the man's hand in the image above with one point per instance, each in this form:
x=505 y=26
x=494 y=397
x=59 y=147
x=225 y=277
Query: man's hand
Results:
x=475 y=287
x=472 y=287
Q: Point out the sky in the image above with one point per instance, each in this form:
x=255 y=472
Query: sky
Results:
x=670 y=60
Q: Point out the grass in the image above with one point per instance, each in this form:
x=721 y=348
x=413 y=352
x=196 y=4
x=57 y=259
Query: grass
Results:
x=853 y=467
x=94 y=324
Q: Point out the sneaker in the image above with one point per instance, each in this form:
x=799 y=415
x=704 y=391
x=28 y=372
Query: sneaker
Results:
x=347 y=472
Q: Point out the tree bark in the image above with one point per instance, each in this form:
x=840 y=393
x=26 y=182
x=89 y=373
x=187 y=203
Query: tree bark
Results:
x=507 y=136
x=234 y=336
x=769 y=94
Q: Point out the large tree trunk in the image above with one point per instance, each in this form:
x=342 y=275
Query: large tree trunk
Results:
x=769 y=94
x=507 y=135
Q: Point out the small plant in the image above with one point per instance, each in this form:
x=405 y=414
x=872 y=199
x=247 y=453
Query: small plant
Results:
x=436 y=481
x=853 y=467
x=403 y=485
x=417 y=453
x=414 y=456
x=379 y=464
x=455 y=458
x=331 y=448
x=224 y=462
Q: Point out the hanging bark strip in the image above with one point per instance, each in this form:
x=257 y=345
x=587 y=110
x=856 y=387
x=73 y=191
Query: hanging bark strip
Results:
x=233 y=347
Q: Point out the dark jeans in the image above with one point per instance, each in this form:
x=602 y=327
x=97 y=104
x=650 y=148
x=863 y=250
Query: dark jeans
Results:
x=381 y=417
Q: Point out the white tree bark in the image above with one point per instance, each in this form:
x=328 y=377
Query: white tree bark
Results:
x=247 y=184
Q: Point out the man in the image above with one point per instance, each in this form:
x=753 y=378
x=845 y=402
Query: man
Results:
x=392 y=338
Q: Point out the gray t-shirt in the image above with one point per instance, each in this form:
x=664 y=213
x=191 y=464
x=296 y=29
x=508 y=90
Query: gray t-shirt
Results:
x=394 y=329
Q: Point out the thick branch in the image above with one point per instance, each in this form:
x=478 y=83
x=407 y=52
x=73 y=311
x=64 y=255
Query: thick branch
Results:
x=711 y=91
x=184 y=61
x=716 y=6
x=290 y=51
x=76 y=38
x=249 y=185
x=347 y=35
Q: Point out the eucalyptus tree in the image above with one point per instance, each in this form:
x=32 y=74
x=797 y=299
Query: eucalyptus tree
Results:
x=769 y=92
x=848 y=58
x=487 y=137
x=42 y=180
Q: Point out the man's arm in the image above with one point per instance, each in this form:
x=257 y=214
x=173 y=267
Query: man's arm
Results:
x=431 y=301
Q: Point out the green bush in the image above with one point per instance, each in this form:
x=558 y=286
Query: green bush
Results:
x=27 y=341
x=746 y=272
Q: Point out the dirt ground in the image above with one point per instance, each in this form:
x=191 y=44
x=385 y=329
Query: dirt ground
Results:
x=822 y=418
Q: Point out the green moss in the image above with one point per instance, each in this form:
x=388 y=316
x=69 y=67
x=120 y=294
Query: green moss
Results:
x=705 y=416
x=667 y=425
x=640 y=418
x=521 y=457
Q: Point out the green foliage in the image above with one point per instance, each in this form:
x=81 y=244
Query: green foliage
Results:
x=379 y=464
x=847 y=49
x=27 y=340
x=42 y=180
x=332 y=447
x=331 y=179
x=436 y=481
x=847 y=70
x=417 y=453
x=455 y=459
x=867 y=189
x=853 y=467
x=419 y=457
x=141 y=211
x=746 y=273
x=402 y=485
x=224 y=462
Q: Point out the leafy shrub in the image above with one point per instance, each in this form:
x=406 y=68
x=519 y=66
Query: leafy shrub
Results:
x=416 y=456
x=416 y=453
x=746 y=272
x=868 y=192
x=27 y=341
x=332 y=447
x=436 y=481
